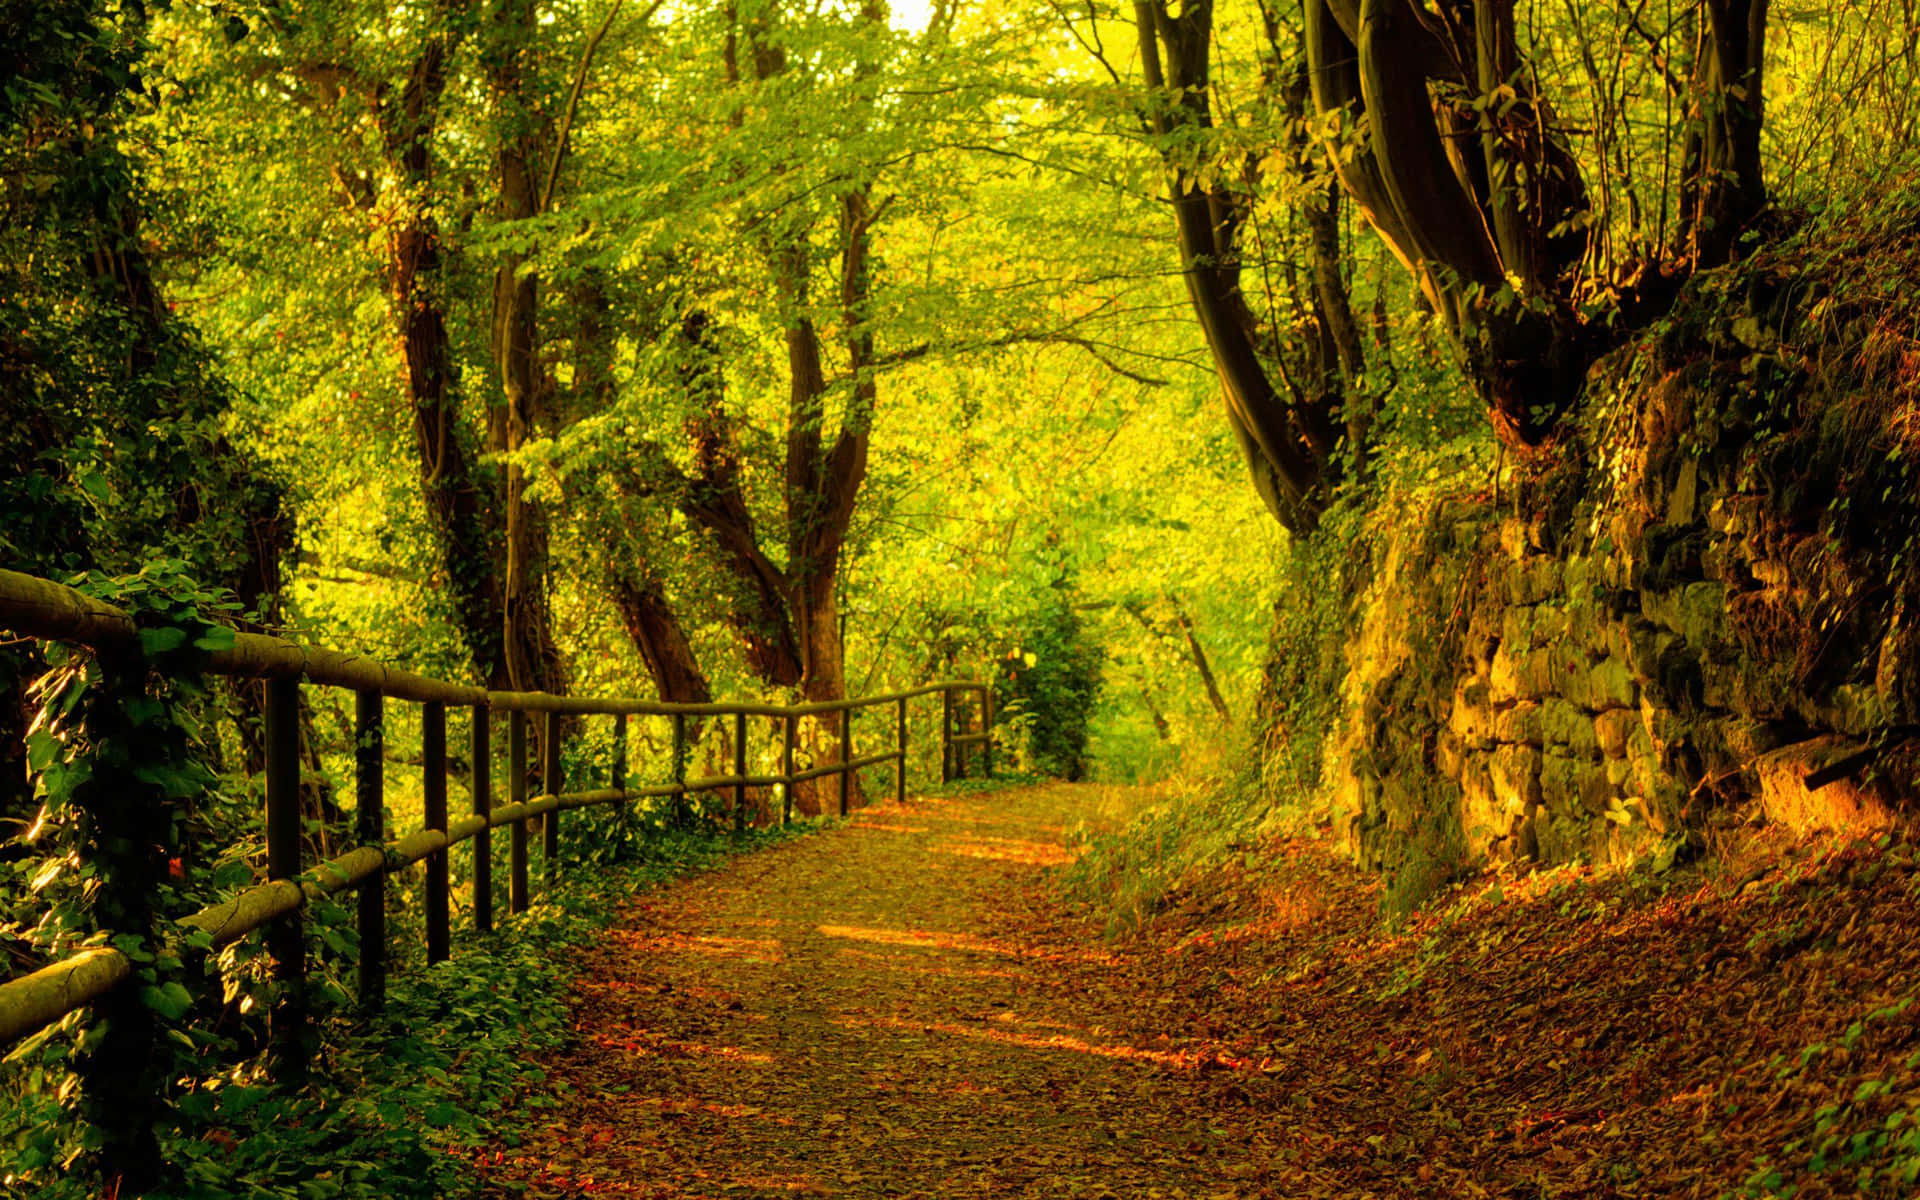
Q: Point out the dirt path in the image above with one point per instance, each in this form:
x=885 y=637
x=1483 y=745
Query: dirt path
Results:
x=888 y=1009
x=902 y=1008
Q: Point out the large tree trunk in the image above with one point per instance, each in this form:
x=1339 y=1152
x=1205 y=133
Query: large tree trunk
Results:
x=758 y=606
x=645 y=612
x=533 y=660
x=656 y=633
x=1729 y=110
x=1500 y=239
x=1286 y=441
x=455 y=498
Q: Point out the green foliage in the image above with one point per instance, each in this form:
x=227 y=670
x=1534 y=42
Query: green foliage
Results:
x=1865 y=1136
x=1048 y=683
x=395 y=1105
x=1194 y=828
x=1299 y=702
x=117 y=751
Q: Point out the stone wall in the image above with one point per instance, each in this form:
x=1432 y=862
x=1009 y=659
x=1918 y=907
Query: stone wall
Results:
x=1697 y=617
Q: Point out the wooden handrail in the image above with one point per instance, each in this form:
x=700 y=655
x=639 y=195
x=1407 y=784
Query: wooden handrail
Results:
x=40 y=608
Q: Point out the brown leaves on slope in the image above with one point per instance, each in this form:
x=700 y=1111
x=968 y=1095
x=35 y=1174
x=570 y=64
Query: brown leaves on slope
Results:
x=888 y=1010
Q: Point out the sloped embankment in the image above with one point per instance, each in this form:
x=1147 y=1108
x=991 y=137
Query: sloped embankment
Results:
x=1726 y=1029
x=1700 y=609
x=909 y=1007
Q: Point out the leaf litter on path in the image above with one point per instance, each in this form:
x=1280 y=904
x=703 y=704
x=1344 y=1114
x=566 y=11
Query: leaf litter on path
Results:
x=884 y=1010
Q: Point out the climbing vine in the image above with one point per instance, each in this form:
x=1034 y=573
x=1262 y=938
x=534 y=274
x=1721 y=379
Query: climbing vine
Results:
x=118 y=750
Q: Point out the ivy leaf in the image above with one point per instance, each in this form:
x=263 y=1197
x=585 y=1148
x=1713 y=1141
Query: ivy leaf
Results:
x=160 y=641
x=170 y=999
x=41 y=750
x=133 y=946
x=217 y=637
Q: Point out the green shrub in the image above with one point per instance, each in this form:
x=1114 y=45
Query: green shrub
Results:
x=1048 y=684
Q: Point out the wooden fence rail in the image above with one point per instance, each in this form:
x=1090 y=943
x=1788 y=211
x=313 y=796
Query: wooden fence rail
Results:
x=39 y=608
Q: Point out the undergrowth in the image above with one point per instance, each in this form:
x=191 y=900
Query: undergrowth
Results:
x=396 y=1104
x=1191 y=829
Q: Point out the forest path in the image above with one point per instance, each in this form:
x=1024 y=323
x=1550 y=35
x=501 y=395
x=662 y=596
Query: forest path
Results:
x=896 y=1007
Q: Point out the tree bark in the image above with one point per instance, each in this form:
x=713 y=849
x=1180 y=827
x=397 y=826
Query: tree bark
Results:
x=1286 y=442
x=657 y=634
x=455 y=499
x=533 y=661
x=1725 y=177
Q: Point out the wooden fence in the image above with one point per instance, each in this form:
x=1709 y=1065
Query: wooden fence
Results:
x=42 y=609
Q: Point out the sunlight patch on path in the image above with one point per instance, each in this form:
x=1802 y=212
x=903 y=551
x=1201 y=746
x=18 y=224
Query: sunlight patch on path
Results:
x=897 y=1007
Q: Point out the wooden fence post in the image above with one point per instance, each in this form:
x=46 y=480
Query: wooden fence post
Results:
x=619 y=780
x=958 y=717
x=900 y=743
x=518 y=888
x=370 y=829
x=130 y=828
x=433 y=752
x=740 y=772
x=285 y=940
x=986 y=728
x=681 y=817
x=786 y=771
x=482 y=749
x=550 y=778
x=946 y=736
x=846 y=759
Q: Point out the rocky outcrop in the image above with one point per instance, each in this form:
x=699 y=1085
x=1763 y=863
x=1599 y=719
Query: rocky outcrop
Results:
x=1707 y=607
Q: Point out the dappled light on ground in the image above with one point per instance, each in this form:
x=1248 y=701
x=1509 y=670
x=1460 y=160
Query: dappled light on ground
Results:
x=867 y=1012
x=883 y=1009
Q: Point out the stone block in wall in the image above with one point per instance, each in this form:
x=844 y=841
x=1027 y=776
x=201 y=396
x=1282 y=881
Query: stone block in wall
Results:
x=1675 y=683
x=1559 y=838
x=1703 y=612
x=1534 y=579
x=1519 y=723
x=1570 y=668
x=1663 y=728
x=1635 y=641
x=1543 y=535
x=1568 y=726
x=1846 y=805
x=1513 y=538
x=1648 y=770
x=1548 y=623
x=1355 y=793
x=1613 y=728
x=1611 y=685
x=1527 y=675
x=1470 y=717
x=1722 y=685
x=1515 y=772
x=1516 y=628
x=1487 y=817
x=1662 y=607
x=1579 y=578
x=1685 y=493
x=1573 y=786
